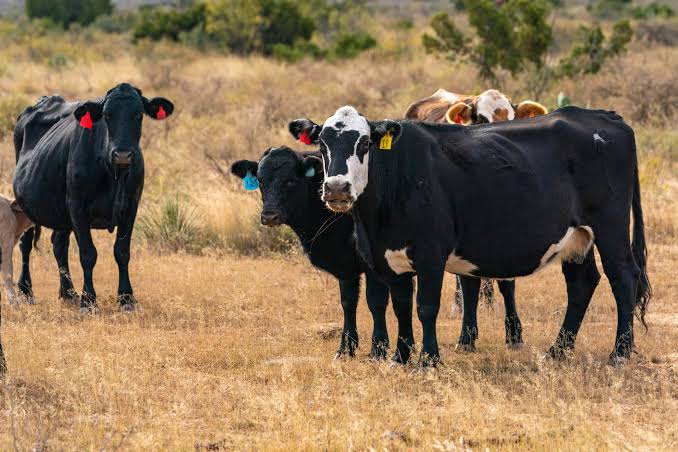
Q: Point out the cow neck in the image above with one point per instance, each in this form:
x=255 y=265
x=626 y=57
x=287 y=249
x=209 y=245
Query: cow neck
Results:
x=316 y=222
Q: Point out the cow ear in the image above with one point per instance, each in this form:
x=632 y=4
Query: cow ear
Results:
x=529 y=109
x=242 y=167
x=311 y=165
x=459 y=113
x=88 y=113
x=379 y=129
x=158 y=107
x=305 y=130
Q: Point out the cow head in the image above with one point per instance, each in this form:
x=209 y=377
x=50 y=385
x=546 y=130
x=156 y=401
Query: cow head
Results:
x=491 y=106
x=345 y=140
x=122 y=110
x=286 y=178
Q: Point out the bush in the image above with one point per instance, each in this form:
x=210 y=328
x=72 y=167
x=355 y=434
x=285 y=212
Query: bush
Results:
x=235 y=24
x=298 y=51
x=172 y=227
x=116 y=23
x=349 y=45
x=654 y=9
x=283 y=23
x=158 y=23
x=67 y=12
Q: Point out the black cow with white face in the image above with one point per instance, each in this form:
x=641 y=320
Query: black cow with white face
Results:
x=80 y=167
x=494 y=201
x=290 y=183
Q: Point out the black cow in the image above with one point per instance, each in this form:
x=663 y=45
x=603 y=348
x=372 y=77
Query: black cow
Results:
x=497 y=201
x=290 y=183
x=76 y=172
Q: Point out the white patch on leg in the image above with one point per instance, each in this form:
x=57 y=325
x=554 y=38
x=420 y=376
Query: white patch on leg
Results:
x=459 y=266
x=398 y=261
x=573 y=247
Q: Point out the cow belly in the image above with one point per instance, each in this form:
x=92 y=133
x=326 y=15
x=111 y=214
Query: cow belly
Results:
x=511 y=262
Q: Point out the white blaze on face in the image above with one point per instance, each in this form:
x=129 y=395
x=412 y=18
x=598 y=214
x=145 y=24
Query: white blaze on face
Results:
x=494 y=105
x=398 y=261
x=347 y=119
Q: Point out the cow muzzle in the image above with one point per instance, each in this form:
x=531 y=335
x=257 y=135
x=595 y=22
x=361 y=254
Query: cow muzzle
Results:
x=337 y=196
x=271 y=218
x=122 y=158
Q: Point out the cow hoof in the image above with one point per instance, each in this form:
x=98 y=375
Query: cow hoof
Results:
x=89 y=310
x=71 y=299
x=617 y=361
x=344 y=354
x=557 y=353
x=515 y=345
x=465 y=348
x=378 y=352
x=130 y=307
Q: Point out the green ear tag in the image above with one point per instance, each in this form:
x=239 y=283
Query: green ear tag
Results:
x=310 y=172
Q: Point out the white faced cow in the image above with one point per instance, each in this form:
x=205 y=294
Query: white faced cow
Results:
x=495 y=201
x=464 y=109
x=489 y=106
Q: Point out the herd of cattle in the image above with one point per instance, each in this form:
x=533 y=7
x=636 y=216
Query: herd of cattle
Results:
x=391 y=199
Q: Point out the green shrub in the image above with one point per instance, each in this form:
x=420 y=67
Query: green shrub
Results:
x=298 y=51
x=235 y=24
x=654 y=9
x=116 y=22
x=349 y=45
x=173 y=226
x=283 y=23
x=67 y=12
x=158 y=23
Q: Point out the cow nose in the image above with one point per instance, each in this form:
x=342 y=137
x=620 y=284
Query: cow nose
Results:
x=270 y=218
x=122 y=158
x=336 y=191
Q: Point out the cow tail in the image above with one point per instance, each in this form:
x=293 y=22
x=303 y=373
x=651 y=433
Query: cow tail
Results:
x=644 y=289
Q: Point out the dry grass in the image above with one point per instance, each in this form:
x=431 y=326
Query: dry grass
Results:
x=235 y=351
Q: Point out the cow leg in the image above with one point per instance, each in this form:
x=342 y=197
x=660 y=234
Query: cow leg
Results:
x=623 y=273
x=121 y=252
x=401 y=295
x=60 y=244
x=487 y=291
x=377 y=301
x=512 y=325
x=582 y=280
x=469 y=326
x=458 y=305
x=88 y=257
x=3 y=363
x=26 y=246
x=349 y=290
x=7 y=269
x=430 y=282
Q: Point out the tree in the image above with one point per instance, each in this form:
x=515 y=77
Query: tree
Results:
x=516 y=37
x=66 y=12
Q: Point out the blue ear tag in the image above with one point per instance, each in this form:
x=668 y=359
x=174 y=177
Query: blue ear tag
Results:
x=250 y=182
x=310 y=172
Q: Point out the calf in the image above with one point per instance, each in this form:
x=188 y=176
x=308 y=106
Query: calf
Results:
x=497 y=201
x=80 y=167
x=489 y=106
x=290 y=184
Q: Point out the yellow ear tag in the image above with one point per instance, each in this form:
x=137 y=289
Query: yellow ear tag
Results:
x=385 y=142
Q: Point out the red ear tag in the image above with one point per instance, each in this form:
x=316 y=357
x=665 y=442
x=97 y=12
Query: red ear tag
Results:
x=161 y=113
x=458 y=118
x=86 y=121
x=304 y=138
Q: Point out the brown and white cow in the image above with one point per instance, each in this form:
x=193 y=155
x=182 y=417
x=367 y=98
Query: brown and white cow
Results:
x=464 y=109
x=489 y=106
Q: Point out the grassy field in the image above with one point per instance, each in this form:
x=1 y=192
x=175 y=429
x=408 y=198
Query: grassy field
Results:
x=234 y=346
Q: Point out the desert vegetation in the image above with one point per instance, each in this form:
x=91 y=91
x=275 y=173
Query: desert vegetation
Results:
x=234 y=346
